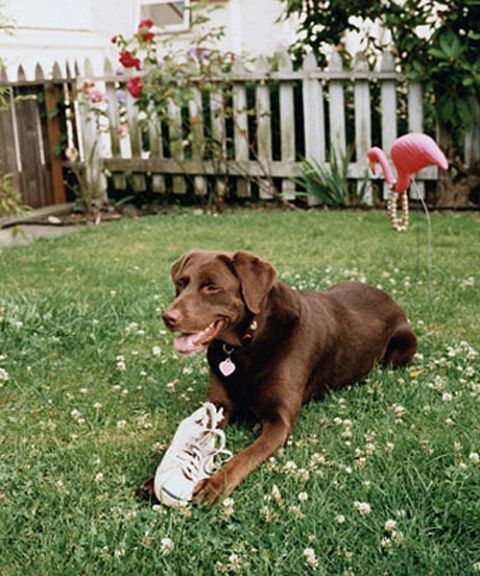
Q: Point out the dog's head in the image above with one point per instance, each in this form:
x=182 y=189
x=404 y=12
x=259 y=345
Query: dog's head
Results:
x=215 y=293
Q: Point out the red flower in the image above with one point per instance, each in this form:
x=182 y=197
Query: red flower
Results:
x=145 y=24
x=128 y=60
x=147 y=37
x=114 y=39
x=135 y=86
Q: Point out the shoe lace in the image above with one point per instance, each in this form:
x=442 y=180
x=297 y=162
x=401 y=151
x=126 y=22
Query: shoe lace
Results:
x=201 y=455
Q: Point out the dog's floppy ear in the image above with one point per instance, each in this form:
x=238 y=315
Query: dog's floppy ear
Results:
x=178 y=265
x=256 y=277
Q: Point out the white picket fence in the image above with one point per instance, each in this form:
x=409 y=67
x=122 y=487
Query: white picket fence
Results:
x=324 y=95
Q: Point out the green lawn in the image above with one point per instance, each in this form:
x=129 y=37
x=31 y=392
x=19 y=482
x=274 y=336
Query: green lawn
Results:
x=78 y=434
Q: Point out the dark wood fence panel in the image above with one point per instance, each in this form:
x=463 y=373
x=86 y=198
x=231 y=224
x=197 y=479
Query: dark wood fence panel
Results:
x=31 y=134
x=8 y=149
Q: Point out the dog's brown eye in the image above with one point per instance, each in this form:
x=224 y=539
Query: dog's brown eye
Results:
x=181 y=283
x=210 y=288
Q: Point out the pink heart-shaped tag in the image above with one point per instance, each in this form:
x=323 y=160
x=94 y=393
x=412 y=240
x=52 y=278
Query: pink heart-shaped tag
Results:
x=227 y=367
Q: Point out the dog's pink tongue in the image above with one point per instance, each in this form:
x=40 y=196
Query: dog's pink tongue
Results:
x=186 y=344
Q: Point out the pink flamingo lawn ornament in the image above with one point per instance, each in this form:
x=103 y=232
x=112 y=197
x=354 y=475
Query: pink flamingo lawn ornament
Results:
x=410 y=153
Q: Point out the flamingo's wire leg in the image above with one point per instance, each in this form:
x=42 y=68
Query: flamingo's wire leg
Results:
x=429 y=237
x=417 y=237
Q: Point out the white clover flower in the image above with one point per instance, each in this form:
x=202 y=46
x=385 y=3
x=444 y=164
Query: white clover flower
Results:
x=397 y=537
x=363 y=507
x=447 y=397
x=311 y=558
x=474 y=457
x=398 y=410
x=303 y=497
x=99 y=477
x=156 y=350
x=317 y=458
x=289 y=466
x=385 y=543
x=233 y=562
x=295 y=511
x=303 y=475
x=221 y=567
x=121 y=366
x=3 y=375
x=132 y=327
x=228 y=505
x=390 y=525
x=476 y=567
x=277 y=496
x=119 y=552
x=121 y=424
x=166 y=545
x=340 y=518
x=360 y=462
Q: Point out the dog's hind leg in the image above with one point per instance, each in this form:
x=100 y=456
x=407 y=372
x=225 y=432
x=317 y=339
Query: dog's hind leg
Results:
x=401 y=346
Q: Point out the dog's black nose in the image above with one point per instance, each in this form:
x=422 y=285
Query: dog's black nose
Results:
x=172 y=317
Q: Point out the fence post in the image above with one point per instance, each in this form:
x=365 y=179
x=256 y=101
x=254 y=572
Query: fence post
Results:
x=287 y=123
x=176 y=146
x=119 y=180
x=30 y=143
x=363 y=124
x=219 y=149
x=91 y=145
x=472 y=137
x=415 y=119
x=264 y=130
x=54 y=133
x=138 y=180
x=240 y=129
x=313 y=116
x=337 y=109
x=389 y=110
x=195 y=107
x=9 y=162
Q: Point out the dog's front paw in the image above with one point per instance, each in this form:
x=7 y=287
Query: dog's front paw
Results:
x=147 y=490
x=210 y=490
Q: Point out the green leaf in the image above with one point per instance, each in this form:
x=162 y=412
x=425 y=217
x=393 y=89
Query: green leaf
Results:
x=463 y=111
x=437 y=53
x=446 y=108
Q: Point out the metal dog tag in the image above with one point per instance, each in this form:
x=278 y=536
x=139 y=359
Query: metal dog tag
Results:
x=227 y=367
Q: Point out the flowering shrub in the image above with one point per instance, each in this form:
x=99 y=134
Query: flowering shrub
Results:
x=167 y=75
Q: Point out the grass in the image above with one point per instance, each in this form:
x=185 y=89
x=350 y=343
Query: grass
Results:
x=78 y=435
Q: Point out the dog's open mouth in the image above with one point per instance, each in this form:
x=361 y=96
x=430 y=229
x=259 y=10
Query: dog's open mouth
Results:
x=193 y=342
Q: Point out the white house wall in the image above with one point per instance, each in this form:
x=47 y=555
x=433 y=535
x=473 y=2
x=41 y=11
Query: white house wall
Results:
x=67 y=30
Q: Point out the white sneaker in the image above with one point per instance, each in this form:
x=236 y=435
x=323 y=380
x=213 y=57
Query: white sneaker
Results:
x=191 y=456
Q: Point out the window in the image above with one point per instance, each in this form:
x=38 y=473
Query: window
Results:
x=166 y=14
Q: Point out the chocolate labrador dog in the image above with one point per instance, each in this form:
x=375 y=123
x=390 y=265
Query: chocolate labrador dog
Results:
x=271 y=349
